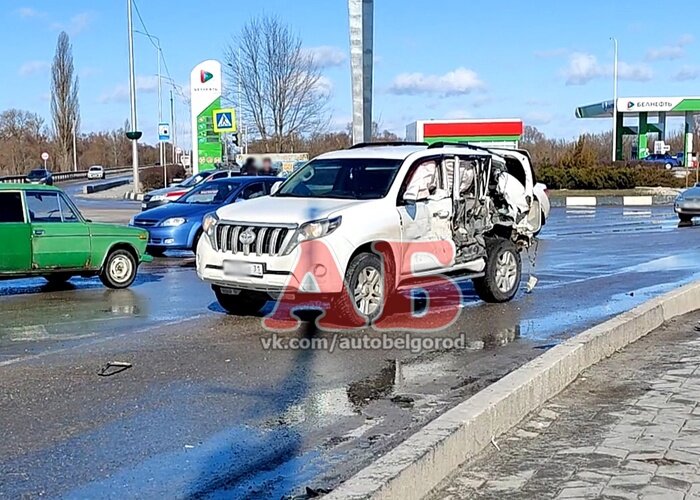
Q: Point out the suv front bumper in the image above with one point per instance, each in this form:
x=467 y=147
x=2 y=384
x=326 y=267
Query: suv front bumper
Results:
x=279 y=272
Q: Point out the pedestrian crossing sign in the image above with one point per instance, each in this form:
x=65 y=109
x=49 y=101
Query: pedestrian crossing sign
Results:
x=224 y=120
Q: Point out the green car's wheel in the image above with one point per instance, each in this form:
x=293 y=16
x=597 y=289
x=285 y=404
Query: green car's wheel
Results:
x=119 y=269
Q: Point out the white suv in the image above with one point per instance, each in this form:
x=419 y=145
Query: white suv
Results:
x=481 y=204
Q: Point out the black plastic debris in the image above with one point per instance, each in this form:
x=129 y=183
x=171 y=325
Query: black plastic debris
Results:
x=113 y=367
x=544 y=347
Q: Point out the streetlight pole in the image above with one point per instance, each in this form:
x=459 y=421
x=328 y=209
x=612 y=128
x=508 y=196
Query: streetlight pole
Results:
x=614 y=127
x=159 y=55
x=132 y=94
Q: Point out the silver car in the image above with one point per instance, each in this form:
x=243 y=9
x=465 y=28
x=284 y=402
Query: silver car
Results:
x=687 y=204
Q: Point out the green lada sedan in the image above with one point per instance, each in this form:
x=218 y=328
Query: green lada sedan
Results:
x=42 y=233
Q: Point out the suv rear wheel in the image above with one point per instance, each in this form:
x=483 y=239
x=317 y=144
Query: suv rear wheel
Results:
x=243 y=304
x=503 y=271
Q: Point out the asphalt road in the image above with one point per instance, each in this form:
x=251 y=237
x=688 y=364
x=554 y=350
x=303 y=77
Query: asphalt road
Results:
x=205 y=411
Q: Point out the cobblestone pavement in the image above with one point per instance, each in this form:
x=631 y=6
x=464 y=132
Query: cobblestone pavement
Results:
x=629 y=427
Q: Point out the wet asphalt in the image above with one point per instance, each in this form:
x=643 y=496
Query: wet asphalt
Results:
x=206 y=412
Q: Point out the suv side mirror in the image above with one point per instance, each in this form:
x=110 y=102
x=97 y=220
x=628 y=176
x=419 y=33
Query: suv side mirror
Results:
x=275 y=187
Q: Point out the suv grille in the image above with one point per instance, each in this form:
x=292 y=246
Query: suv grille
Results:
x=269 y=240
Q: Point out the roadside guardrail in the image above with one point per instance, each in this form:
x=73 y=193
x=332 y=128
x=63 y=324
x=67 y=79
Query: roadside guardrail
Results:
x=65 y=176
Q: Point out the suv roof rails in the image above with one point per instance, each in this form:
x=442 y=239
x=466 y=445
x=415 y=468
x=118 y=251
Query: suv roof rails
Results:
x=387 y=143
x=457 y=144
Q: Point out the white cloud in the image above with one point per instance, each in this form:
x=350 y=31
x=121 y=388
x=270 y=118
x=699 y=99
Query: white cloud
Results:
x=324 y=86
x=33 y=67
x=76 y=25
x=670 y=52
x=665 y=52
x=686 y=73
x=583 y=68
x=457 y=82
x=456 y=114
x=326 y=56
x=29 y=12
x=633 y=72
x=120 y=93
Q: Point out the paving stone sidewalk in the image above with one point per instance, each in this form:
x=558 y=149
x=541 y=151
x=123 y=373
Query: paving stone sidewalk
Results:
x=629 y=427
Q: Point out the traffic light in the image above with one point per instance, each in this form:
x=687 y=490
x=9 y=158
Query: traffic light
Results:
x=234 y=138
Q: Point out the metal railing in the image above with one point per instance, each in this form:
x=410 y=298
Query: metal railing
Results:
x=65 y=176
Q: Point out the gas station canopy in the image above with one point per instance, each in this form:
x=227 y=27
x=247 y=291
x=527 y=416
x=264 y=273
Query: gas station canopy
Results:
x=672 y=106
x=642 y=108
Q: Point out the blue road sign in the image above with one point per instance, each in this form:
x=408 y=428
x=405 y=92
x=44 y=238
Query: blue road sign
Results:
x=224 y=120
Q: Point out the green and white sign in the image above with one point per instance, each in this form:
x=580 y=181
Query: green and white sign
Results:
x=205 y=96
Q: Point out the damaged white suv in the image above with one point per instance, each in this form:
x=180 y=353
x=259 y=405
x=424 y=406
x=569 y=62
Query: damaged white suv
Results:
x=481 y=204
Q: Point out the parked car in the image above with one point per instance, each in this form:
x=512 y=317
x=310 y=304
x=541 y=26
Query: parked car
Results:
x=667 y=160
x=178 y=225
x=96 y=172
x=162 y=196
x=687 y=204
x=480 y=201
x=40 y=176
x=44 y=234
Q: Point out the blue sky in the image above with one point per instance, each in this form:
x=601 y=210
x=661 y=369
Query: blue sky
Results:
x=441 y=59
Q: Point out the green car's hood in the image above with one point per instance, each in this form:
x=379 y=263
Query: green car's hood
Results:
x=104 y=229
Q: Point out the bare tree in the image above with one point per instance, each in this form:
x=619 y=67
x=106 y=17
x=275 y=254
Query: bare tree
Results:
x=65 y=109
x=22 y=140
x=283 y=91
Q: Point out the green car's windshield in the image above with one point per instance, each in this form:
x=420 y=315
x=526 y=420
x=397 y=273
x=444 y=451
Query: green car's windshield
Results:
x=351 y=178
x=210 y=193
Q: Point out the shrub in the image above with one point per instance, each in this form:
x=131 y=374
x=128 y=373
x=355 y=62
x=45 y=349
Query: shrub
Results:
x=605 y=177
x=152 y=177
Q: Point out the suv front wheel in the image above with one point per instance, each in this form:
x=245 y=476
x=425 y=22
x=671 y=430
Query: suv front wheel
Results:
x=364 y=282
x=503 y=271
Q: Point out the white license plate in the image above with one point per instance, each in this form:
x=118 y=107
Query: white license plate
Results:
x=144 y=206
x=235 y=268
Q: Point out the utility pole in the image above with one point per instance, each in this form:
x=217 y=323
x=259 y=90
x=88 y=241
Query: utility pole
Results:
x=75 y=149
x=614 y=127
x=173 y=130
x=133 y=135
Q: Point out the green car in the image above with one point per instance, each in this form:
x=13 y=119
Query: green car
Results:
x=42 y=233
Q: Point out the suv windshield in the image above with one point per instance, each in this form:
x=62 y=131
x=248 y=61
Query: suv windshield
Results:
x=37 y=173
x=210 y=193
x=195 y=179
x=353 y=178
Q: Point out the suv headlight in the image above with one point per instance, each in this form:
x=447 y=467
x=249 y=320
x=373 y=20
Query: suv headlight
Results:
x=157 y=197
x=209 y=222
x=173 y=221
x=312 y=231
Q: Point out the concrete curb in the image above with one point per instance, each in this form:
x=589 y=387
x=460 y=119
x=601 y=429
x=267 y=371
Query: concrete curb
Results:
x=416 y=466
x=104 y=186
x=133 y=196
x=626 y=201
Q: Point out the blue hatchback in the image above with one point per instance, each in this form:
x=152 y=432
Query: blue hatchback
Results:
x=178 y=225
